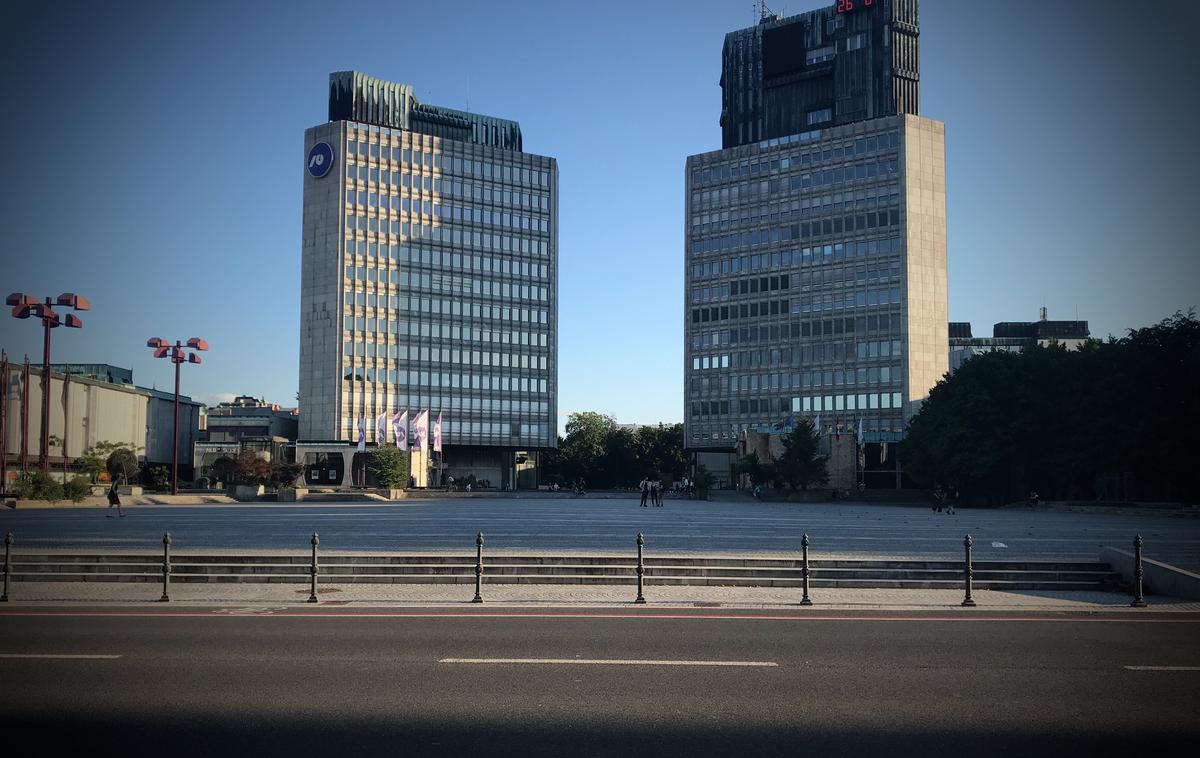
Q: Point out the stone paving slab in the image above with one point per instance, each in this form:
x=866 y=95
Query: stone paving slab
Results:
x=208 y=595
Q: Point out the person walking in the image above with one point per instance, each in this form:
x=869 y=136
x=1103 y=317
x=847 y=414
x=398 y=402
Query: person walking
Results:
x=114 y=498
x=644 y=486
x=654 y=493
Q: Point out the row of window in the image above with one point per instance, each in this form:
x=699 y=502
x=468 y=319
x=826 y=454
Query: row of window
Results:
x=788 y=356
x=834 y=152
x=796 y=209
x=454 y=430
x=445 y=234
x=461 y=405
x=829 y=253
x=808 y=404
x=744 y=310
x=446 y=379
x=452 y=284
x=838 y=225
x=805 y=379
x=406 y=352
x=446 y=163
x=362 y=201
x=372 y=178
x=806 y=280
x=443 y=331
x=731 y=204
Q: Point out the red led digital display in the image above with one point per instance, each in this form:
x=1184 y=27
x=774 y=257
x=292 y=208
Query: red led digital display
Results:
x=845 y=6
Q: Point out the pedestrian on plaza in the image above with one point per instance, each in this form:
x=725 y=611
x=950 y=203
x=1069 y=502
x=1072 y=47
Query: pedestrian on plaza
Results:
x=662 y=492
x=654 y=493
x=951 y=499
x=644 y=486
x=114 y=498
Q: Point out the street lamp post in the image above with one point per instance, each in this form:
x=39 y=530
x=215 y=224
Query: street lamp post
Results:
x=24 y=306
x=178 y=356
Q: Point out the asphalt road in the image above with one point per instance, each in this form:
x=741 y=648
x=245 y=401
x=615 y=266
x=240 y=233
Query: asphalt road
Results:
x=544 y=525
x=380 y=682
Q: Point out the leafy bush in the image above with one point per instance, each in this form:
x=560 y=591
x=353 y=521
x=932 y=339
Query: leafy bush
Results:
x=249 y=469
x=122 y=465
x=284 y=475
x=38 y=485
x=203 y=483
x=77 y=489
x=157 y=477
x=390 y=467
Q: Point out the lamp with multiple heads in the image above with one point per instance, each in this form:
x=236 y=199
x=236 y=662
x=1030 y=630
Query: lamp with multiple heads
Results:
x=177 y=354
x=27 y=306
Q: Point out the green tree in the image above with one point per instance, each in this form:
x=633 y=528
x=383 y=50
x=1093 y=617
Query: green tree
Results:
x=1058 y=421
x=800 y=465
x=122 y=465
x=703 y=480
x=94 y=460
x=750 y=466
x=390 y=467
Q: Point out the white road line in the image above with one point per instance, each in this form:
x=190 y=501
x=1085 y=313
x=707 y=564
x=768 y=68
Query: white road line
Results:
x=1163 y=668
x=57 y=656
x=609 y=662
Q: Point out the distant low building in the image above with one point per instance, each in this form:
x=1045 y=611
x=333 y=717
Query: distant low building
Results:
x=247 y=423
x=1014 y=336
x=101 y=372
x=108 y=409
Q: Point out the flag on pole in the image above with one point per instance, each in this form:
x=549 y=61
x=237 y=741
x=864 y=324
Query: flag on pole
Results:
x=381 y=422
x=860 y=430
x=420 y=429
x=817 y=424
x=883 y=453
x=437 y=434
x=362 y=433
x=400 y=429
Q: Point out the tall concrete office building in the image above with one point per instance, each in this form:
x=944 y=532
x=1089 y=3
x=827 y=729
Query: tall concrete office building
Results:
x=816 y=238
x=428 y=282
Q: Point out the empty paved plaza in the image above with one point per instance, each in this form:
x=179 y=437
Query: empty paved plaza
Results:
x=540 y=524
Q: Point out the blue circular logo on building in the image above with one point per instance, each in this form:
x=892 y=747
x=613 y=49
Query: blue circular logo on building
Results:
x=320 y=159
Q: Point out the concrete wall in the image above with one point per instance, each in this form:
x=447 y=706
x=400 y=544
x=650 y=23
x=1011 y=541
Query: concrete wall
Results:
x=1157 y=578
x=923 y=204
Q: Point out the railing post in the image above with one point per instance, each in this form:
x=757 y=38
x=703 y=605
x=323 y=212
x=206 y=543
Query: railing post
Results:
x=1138 y=600
x=166 y=568
x=968 y=572
x=641 y=569
x=8 y=540
x=806 y=600
x=312 y=569
x=478 y=568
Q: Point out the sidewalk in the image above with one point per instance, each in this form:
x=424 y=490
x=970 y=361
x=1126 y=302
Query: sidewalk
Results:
x=424 y=595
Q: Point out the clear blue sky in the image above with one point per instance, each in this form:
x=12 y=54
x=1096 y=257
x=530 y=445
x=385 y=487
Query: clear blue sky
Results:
x=154 y=155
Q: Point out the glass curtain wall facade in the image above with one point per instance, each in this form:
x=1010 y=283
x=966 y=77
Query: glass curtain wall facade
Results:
x=429 y=281
x=816 y=280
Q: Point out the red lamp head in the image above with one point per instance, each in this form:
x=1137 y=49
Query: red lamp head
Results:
x=156 y=342
x=160 y=352
x=14 y=299
x=193 y=358
x=197 y=344
x=78 y=302
x=74 y=321
x=21 y=311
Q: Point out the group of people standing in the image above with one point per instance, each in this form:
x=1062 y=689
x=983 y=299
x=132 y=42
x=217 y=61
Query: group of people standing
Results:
x=653 y=491
x=944 y=498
